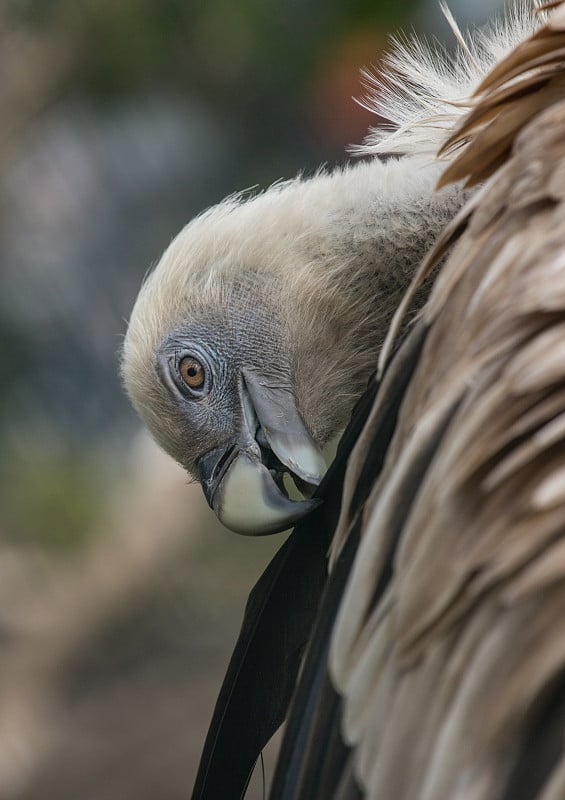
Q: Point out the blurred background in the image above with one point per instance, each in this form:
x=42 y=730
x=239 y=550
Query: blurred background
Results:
x=120 y=597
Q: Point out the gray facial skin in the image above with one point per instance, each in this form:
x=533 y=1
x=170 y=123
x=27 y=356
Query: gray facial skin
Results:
x=242 y=429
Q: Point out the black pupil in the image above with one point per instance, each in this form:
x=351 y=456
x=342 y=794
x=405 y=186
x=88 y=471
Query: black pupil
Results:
x=192 y=371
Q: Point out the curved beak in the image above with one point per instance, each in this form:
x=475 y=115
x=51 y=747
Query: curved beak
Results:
x=243 y=479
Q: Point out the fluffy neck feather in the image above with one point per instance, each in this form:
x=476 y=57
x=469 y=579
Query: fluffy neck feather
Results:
x=361 y=241
x=423 y=88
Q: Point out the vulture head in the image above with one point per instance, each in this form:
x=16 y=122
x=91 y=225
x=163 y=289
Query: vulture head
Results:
x=218 y=361
x=259 y=327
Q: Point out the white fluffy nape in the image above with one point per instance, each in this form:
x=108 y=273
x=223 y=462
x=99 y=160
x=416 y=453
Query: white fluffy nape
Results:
x=423 y=88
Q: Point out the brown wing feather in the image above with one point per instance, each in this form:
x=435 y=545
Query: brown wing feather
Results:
x=454 y=678
x=529 y=79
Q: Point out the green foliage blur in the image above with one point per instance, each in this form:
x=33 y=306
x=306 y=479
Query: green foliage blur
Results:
x=251 y=47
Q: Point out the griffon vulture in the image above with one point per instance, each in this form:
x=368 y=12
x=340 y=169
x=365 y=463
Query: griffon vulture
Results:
x=436 y=653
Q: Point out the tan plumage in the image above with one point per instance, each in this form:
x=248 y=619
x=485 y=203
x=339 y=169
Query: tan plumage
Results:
x=452 y=680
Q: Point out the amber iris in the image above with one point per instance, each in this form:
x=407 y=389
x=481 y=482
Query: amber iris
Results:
x=192 y=372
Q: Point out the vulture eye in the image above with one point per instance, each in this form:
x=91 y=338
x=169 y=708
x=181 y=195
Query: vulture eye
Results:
x=192 y=372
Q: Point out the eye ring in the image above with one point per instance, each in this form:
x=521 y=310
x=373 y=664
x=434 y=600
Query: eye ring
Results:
x=192 y=373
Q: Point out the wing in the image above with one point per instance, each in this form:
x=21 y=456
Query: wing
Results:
x=451 y=675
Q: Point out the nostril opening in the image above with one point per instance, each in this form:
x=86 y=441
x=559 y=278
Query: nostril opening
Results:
x=223 y=461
